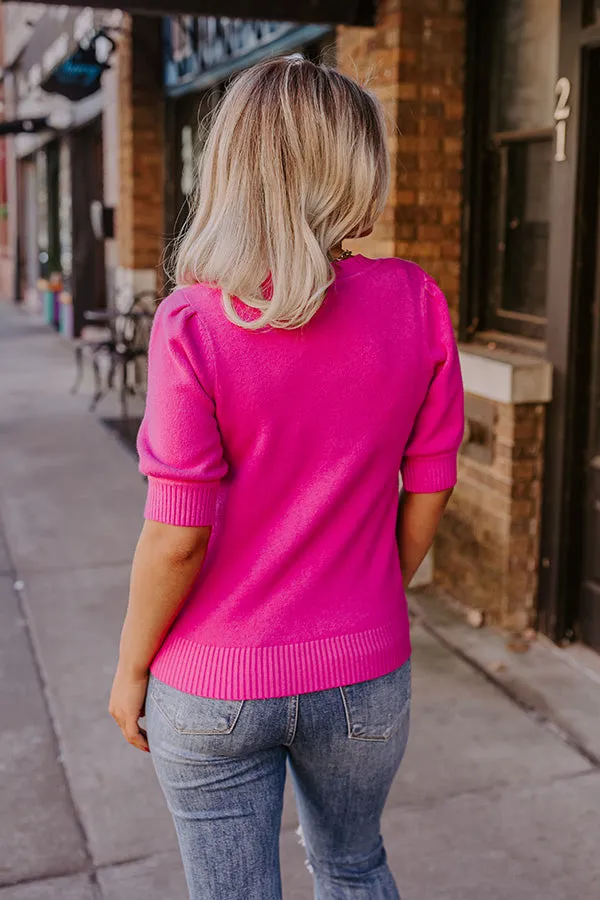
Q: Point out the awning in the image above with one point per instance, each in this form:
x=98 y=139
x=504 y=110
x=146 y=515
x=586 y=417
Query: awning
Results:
x=335 y=12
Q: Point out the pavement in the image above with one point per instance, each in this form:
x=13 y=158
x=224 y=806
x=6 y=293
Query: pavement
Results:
x=499 y=795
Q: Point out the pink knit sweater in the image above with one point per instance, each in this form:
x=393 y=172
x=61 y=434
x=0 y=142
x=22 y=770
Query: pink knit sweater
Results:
x=290 y=443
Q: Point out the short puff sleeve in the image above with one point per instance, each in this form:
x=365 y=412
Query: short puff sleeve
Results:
x=430 y=456
x=179 y=442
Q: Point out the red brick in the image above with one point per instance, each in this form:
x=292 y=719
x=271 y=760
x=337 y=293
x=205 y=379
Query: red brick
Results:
x=430 y=233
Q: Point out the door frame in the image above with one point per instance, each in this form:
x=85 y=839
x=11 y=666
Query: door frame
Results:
x=561 y=556
x=588 y=617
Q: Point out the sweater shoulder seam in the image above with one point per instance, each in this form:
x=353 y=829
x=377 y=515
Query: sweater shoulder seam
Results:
x=205 y=335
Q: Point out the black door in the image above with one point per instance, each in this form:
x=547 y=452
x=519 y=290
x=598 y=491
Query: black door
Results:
x=589 y=349
x=590 y=588
x=89 y=272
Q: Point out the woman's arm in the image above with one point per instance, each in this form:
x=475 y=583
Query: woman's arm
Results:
x=180 y=450
x=418 y=519
x=167 y=561
x=429 y=466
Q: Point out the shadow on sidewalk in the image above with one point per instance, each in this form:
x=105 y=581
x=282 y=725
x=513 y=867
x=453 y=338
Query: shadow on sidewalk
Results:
x=126 y=430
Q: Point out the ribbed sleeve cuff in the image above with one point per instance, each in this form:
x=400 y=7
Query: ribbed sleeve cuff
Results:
x=189 y=504
x=429 y=474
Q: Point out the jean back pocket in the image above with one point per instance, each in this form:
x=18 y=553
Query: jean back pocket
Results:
x=189 y=714
x=377 y=709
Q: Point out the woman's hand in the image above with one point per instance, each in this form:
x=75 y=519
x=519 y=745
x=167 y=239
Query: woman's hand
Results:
x=127 y=702
x=166 y=564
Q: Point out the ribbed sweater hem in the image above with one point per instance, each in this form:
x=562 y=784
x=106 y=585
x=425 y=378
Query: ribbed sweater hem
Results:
x=284 y=670
x=429 y=474
x=188 y=504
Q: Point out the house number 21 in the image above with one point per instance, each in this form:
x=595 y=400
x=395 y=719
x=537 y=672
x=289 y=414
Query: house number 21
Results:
x=562 y=112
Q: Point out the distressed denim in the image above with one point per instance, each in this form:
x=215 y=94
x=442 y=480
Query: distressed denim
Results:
x=222 y=767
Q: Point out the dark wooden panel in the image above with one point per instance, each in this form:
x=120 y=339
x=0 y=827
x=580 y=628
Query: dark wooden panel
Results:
x=89 y=273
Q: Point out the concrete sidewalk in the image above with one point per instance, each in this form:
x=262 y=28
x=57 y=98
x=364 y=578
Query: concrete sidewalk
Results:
x=499 y=796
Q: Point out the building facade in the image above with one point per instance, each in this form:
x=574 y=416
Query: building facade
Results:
x=495 y=144
x=58 y=91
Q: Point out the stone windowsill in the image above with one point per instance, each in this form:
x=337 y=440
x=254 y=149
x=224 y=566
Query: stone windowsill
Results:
x=505 y=376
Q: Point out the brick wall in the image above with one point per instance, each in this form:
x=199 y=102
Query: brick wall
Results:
x=141 y=147
x=373 y=56
x=414 y=62
x=487 y=552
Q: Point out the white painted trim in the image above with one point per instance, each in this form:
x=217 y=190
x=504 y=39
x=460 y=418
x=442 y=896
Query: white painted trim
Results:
x=505 y=376
x=42 y=104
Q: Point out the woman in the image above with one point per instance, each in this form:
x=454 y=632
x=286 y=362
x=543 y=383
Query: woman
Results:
x=290 y=384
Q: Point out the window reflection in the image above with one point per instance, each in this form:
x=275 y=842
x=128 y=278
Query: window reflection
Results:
x=526 y=63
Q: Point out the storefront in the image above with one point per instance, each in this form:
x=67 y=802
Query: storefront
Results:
x=495 y=153
x=531 y=283
x=60 y=167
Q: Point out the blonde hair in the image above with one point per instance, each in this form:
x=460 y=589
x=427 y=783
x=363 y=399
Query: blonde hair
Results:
x=296 y=160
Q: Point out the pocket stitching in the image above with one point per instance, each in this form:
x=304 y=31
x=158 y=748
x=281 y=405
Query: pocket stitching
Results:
x=154 y=697
x=375 y=738
x=176 y=728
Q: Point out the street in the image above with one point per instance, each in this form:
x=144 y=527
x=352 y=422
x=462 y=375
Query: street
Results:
x=499 y=796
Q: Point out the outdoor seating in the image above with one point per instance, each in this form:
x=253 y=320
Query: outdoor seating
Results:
x=115 y=341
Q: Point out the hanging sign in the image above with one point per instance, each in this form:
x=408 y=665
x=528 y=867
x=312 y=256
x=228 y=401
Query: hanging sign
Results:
x=67 y=52
x=80 y=74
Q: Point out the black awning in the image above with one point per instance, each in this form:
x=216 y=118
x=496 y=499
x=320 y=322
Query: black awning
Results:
x=24 y=126
x=334 y=12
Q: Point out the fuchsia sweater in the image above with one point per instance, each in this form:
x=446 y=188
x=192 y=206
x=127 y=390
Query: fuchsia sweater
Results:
x=290 y=444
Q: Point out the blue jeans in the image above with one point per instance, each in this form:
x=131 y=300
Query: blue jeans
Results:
x=222 y=767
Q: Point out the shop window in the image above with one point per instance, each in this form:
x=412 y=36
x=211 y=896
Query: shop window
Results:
x=514 y=60
x=517 y=283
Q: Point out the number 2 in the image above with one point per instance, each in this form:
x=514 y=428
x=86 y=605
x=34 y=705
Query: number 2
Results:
x=561 y=113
